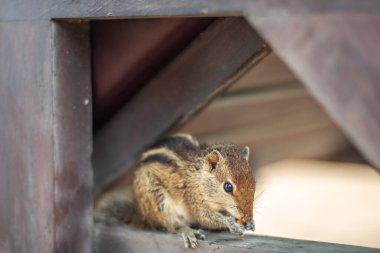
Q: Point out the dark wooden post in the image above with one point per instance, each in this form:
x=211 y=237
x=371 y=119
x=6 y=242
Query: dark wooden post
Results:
x=45 y=115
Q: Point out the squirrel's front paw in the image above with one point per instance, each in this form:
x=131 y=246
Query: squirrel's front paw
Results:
x=234 y=227
x=190 y=236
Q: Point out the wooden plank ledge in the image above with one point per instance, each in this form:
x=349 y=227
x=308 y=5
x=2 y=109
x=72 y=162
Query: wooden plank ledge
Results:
x=126 y=239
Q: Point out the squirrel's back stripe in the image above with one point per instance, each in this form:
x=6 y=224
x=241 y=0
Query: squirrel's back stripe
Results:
x=189 y=138
x=183 y=145
x=181 y=140
x=161 y=155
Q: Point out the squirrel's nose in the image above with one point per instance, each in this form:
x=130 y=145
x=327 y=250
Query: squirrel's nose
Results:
x=249 y=225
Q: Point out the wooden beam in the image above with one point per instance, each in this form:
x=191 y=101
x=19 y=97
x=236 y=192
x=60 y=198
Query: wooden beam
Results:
x=332 y=48
x=210 y=64
x=45 y=170
x=126 y=239
x=97 y=9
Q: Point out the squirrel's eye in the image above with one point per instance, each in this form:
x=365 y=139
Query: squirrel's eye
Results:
x=228 y=187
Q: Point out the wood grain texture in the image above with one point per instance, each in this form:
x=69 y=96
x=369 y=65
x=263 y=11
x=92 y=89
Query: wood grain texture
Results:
x=73 y=180
x=212 y=62
x=126 y=239
x=45 y=174
x=27 y=138
x=98 y=9
x=332 y=50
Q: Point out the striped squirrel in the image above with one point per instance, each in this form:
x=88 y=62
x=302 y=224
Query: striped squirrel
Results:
x=183 y=186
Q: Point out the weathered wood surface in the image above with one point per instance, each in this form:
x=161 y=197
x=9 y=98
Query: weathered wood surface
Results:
x=210 y=64
x=126 y=54
x=26 y=136
x=72 y=103
x=45 y=172
x=46 y=9
x=126 y=239
x=333 y=49
x=35 y=9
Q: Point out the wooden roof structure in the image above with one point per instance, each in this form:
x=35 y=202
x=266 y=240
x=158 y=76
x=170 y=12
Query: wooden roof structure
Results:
x=50 y=161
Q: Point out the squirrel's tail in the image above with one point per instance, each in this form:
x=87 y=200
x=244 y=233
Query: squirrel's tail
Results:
x=117 y=210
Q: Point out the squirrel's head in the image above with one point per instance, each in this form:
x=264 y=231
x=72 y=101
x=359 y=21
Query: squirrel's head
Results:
x=228 y=183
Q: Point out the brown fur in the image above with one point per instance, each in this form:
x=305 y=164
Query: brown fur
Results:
x=178 y=186
x=191 y=193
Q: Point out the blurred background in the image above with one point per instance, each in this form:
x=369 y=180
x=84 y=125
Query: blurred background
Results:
x=312 y=183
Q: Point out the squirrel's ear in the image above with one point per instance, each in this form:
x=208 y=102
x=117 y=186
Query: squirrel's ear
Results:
x=214 y=158
x=245 y=153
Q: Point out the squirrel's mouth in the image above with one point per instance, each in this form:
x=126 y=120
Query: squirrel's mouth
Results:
x=247 y=225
